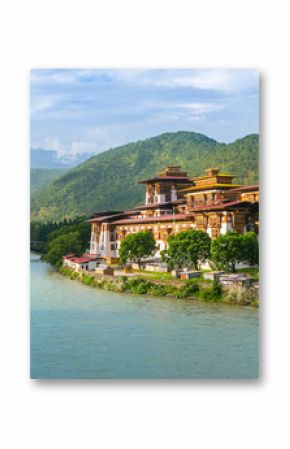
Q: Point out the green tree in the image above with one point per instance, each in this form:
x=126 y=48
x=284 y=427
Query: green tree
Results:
x=42 y=233
x=187 y=248
x=80 y=226
x=250 y=248
x=137 y=246
x=61 y=245
x=227 y=250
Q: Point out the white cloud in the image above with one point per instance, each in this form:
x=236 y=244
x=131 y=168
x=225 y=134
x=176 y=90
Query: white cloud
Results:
x=70 y=150
x=90 y=140
x=39 y=104
x=208 y=79
x=52 y=76
x=216 y=79
x=201 y=108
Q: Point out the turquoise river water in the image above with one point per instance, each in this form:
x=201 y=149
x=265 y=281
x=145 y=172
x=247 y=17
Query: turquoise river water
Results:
x=78 y=332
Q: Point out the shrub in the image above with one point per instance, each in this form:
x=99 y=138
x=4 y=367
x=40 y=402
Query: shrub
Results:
x=217 y=288
x=87 y=280
x=207 y=294
x=188 y=290
x=139 y=286
x=74 y=275
x=161 y=290
x=65 y=271
x=212 y=293
x=124 y=279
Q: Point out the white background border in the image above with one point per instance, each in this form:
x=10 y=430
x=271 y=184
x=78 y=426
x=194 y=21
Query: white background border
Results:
x=148 y=33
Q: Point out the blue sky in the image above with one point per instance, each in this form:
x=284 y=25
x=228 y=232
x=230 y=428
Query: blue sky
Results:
x=91 y=110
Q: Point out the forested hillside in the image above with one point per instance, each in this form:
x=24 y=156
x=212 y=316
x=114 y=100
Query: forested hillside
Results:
x=110 y=180
x=41 y=177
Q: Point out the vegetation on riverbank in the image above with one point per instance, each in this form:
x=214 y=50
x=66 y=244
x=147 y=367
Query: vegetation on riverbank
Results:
x=54 y=240
x=191 y=289
x=185 y=249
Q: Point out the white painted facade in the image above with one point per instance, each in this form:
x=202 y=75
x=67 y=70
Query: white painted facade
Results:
x=107 y=245
x=161 y=245
x=94 y=244
x=173 y=194
x=227 y=224
x=160 y=198
x=209 y=231
x=88 y=266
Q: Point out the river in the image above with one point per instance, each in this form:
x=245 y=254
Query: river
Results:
x=78 y=332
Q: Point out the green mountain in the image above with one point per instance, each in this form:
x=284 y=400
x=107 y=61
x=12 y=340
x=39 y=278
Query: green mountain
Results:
x=41 y=177
x=110 y=180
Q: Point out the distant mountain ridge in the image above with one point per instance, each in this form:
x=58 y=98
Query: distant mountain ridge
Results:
x=48 y=159
x=109 y=180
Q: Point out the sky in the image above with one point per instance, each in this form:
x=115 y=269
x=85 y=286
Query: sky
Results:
x=91 y=110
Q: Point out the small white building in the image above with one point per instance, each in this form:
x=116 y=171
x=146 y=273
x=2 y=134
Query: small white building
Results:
x=86 y=262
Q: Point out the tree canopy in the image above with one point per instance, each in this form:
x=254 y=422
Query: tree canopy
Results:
x=187 y=248
x=251 y=248
x=232 y=248
x=137 y=246
x=61 y=238
x=61 y=245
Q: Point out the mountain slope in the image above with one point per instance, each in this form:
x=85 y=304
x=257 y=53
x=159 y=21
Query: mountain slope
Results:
x=110 y=180
x=41 y=177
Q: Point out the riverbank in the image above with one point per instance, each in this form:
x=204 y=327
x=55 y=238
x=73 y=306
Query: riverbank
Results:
x=195 y=289
x=90 y=333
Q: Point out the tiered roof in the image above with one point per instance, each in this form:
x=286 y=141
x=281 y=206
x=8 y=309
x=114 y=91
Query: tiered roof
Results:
x=211 y=181
x=110 y=217
x=169 y=174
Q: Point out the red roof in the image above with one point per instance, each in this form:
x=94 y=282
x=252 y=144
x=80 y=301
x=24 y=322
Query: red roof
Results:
x=102 y=218
x=153 y=205
x=107 y=212
x=109 y=217
x=82 y=259
x=169 y=217
x=91 y=256
x=185 y=179
x=220 y=206
x=69 y=256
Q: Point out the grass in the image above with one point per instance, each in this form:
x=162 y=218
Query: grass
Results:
x=253 y=272
x=155 y=276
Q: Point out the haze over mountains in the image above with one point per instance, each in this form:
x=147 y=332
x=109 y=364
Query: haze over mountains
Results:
x=109 y=180
x=47 y=159
x=46 y=166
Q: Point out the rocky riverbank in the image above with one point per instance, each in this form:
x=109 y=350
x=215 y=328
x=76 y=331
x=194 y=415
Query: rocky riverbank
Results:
x=192 y=289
